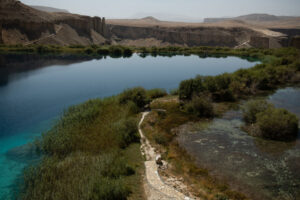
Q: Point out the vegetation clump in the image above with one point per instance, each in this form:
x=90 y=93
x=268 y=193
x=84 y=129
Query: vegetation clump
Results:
x=136 y=95
x=200 y=106
x=91 y=153
x=156 y=93
x=277 y=124
x=264 y=120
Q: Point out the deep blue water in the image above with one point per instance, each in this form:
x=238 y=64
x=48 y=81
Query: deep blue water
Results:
x=35 y=90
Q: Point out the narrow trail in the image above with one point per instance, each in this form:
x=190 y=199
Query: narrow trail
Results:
x=245 y=44
x=46 y=37
x=156 y=189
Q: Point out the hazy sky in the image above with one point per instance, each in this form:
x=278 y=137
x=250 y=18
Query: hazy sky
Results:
x=194 y=9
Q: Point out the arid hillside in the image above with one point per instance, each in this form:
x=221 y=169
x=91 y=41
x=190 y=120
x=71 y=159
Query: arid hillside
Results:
x=22 y=24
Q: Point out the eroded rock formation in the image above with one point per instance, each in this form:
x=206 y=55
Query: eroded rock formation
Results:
x=23 y=24
x=189 y=36
x=1 y=41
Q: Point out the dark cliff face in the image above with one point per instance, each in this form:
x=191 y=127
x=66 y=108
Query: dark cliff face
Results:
x=84 y=24
x=33 y=30
x=295 y=42
x=1 y=40
x=201 y=36
x=16 y=17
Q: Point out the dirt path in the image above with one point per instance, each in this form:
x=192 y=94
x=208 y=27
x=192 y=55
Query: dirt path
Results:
x=243 y=45
x=46 y=37
x=156 y=189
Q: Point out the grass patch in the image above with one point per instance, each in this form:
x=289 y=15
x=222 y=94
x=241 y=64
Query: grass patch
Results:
x=91 y=153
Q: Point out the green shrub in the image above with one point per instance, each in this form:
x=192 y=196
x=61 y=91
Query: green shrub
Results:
x=43 y=49
x=161 y=138
x=277 y=124
x=186 y=89
x=252 y=108
x=103 y=51
x=115 y=167
x=76 y=46
x=116 y=50
x=127 y=131
x=200 y=106
x=156 y=93
x=108 y=189
x=136 y=95
x=174 y=92
x=218 y=86
x=89 y=50
x=127 y=52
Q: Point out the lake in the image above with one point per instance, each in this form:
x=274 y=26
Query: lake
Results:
x=262 y=169
x=34 y=91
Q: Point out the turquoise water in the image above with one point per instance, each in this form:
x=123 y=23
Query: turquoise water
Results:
x=262 y=169
x=34 y=90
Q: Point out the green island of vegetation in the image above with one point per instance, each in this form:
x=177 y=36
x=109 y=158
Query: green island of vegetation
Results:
x=93 y=151
x=264 y=120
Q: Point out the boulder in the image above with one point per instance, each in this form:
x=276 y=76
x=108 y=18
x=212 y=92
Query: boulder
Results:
x=158 y=160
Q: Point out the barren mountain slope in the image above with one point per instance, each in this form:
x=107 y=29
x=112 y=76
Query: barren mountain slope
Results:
x=21 y=24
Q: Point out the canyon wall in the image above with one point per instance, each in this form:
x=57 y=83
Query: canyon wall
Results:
x=259 y=42
x=189 y=36
x=295 y=42
x=1 y=41
x=33 y=30
x=84 y=24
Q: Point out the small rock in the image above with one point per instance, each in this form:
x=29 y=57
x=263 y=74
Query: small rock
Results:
x=158 y=160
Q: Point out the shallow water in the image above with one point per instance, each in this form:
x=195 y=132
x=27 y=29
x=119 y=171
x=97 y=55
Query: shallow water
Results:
x=262 y=169
x=34 y=90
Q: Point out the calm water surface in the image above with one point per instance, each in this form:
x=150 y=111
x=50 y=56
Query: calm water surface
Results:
x=262 y=169
x=35 y=90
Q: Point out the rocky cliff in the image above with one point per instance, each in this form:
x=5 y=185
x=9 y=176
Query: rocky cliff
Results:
x=1 y=41
x=22 y=24
x=188 y=36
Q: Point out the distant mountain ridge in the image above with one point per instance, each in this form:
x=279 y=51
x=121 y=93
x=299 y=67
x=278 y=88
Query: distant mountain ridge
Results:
x=251 y=17
x=49 y=9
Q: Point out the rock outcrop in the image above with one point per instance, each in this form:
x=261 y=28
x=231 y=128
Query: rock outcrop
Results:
x=1 y=41
x=83 y=24
x=295 y=42
x=26 y=25
x=187 y=36
x=21 y=24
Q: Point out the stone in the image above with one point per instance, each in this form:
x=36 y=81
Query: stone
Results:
x=158 y=160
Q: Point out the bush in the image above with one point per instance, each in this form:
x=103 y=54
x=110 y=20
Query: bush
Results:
x=156 y=93
x=252 y=108
x=127 y=131
x=174 y=92
x=103 y=51
x=88 y=50
x=43 y=49
x=161 y=138
x=200 y=106
x=109 y=189
x=186 y=89
x=218 y=86
x=136 y=95
x=277 y=124
x=116 y=50
x=127 y=52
